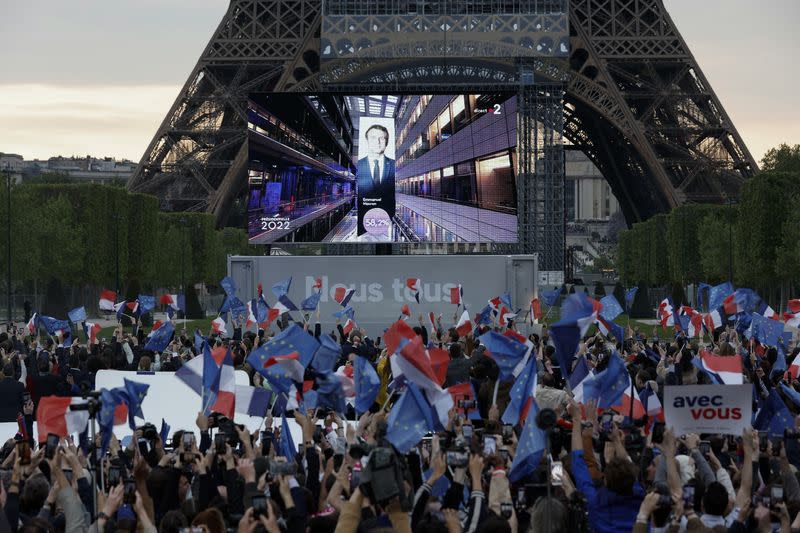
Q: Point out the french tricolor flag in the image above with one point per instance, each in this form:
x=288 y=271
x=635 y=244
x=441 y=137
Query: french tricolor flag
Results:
x=464 y=325
x=253 y=401
x=791 y=319
x=225 y=403
x=32 y=324
x=218 y=326
x=506 y=316
x=348 y=326
x=456 y=294
x=665 y=313
x=580 y=373
x=695 y=325
x=251 y=314
x=53 y=415
x=495 y=303
x=290 y=366
x=92 y=329
x=107 y=300
x=415 y=285
x=712 y=320
x=406 y=310
x=727 y=369
x=342 y=295
x=793 y=306
x=730 y=306
x=535 y=310
x=794 y=368
x=624 y=406
x=175 y=301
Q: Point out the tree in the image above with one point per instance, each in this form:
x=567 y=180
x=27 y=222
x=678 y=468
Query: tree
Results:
x=788 y=254
x=640 y=307
x=682 y=238
x=716 y=242
x=763 y=209
x=784 y=158
x=619 y=293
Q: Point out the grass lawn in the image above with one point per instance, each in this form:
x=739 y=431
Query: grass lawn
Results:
x=204 y=325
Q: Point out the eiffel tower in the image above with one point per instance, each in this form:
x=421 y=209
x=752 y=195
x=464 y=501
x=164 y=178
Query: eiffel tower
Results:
x=630 y=95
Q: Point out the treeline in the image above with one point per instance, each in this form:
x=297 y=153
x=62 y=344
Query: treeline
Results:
x=75 y=233
x=757 y=239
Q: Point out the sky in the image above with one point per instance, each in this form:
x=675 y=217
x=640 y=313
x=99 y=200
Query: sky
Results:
x=97 y=77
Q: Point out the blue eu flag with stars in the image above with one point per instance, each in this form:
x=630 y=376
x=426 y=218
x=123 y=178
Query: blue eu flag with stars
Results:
x=551 y=297
x=292 y=339
x=773 y=416
x=329 y=392
x=611 y=308
x=505 y=351
x=286 y=446
x=367 y=384
x=160 y=339
x=135 y=393
x=109 y=400
x=608 y=386
x=532 y=444
x=409 y=420
x=327 y=354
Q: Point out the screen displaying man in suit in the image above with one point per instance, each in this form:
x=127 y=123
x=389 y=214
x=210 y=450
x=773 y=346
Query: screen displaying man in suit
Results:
x=375 y=181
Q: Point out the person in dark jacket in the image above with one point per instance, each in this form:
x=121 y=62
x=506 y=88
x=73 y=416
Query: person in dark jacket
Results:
x=44 y=382
x=12 y=395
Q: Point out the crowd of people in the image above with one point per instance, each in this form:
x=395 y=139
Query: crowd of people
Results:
x=602 y=470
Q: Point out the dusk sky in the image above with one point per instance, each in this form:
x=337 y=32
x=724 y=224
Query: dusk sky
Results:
x=97 y=77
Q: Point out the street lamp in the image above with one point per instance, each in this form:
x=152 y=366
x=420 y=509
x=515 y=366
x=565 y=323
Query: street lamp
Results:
x=8 y=236
x=730 y=239
x=116 y=250
x=183 y=251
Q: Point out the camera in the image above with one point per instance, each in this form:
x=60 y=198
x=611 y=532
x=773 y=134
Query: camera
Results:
x=489 y=445
x=468 y=404
x=775 y=495
x=129 y=496
x=149 y=432
x=114 y=475
x=277 y=468
x=467 y=431
x=606 y=423
x=51 y=445
x=506 y=510
x=24 y=452
x=220 y=444
x=508 y=433
x=259 y=505
x=457 y=458
x=382 y=477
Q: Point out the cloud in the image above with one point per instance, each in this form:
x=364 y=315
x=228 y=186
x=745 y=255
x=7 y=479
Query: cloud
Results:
x=40 y=121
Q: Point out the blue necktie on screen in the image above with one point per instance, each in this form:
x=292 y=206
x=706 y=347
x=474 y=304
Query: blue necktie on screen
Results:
x=376 y=177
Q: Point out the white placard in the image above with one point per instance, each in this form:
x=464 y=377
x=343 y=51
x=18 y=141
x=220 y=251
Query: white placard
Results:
x=724 y=409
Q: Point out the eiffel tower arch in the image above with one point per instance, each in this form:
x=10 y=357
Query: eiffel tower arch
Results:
x=630 y=95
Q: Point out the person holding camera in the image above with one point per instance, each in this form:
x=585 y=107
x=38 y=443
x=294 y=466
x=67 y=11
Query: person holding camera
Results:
x=614 y=506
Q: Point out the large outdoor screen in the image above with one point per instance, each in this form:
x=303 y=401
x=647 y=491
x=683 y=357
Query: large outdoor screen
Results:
x=329 y=167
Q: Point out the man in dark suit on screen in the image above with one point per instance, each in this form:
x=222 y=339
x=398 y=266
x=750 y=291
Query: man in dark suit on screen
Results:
x=375 y=176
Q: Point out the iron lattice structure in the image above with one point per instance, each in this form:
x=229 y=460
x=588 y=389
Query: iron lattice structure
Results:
x=634 y=100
